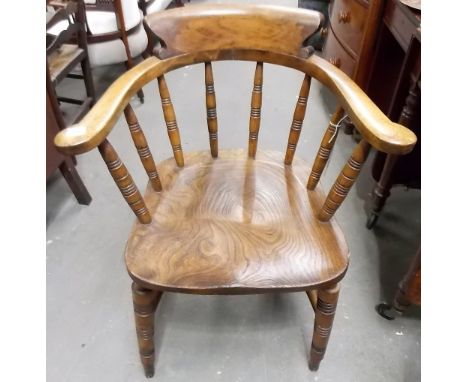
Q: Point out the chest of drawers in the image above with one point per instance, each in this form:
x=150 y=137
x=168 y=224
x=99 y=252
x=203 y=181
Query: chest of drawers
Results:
x=351 y=36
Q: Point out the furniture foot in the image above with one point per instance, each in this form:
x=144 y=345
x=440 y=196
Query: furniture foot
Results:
x=145 y=302
x=383 y=310
x=381 y=190
x=74 y=181
x=371 y=220
x=325 y=312
x=141 y=95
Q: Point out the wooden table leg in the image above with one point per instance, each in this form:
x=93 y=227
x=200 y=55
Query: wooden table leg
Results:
x=382 y=190
x=409 y=291
x=74 y=181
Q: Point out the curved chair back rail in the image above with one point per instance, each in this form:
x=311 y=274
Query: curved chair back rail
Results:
x=197 y=21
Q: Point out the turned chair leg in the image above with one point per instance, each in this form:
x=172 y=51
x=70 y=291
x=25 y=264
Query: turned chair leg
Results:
x=145 y=302
x=324 y=314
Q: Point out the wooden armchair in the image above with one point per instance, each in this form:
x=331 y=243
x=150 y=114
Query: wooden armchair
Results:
x=235 y=221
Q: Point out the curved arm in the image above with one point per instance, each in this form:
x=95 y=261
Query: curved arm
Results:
x=99 y=121
x=374 y=126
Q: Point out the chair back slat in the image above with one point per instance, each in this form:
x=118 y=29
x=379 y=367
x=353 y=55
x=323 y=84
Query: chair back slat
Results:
x=326 y=146
x=345 y=180
x=298 y=119
x=142 y=147
x=211 y=118
x=171 y=122
x=125 y=182
x=255 y=110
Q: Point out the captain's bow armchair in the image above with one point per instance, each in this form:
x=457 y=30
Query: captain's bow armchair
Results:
x=235 y=221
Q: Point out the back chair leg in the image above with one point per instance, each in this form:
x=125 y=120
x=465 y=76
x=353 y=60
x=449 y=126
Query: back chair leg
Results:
x=325 y=312
x=145 y=302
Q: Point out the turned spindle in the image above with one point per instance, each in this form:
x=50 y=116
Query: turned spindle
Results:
x=255 y=111
x=345 y=181
x=211 y=117
x=326 y=146
x=298 y=119
x=125 y=182
x=141 y=145
x=171 y=122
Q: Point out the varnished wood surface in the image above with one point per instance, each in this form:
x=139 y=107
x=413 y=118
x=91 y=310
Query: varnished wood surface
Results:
x=211 y=117
x=326 y=146
x=345 y=180
x=124 y=182
x=64 y=59
x=235 y=225
x=374 y=126
x=228 y=26
x=348 y=22
x=171 y=121
x=337 y=56
x=298 y=119
x=255 y=109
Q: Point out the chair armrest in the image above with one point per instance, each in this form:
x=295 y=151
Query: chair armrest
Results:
x=374 y=126
x=99 y=121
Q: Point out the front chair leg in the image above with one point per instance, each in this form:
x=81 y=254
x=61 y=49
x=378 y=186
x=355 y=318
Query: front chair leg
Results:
x=145 y=302
x=324 y=314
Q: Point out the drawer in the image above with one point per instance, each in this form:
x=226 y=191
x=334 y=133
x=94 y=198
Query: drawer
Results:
x=348 y=21
x=337 y=55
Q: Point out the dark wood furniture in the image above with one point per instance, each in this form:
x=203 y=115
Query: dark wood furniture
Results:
x=408 y=293
x=351 y=36
x=394 y=85
x=54 y=159
x=67 y=50
x=235 y=221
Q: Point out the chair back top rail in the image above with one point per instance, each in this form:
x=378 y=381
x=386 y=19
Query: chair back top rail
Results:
x=225 y=26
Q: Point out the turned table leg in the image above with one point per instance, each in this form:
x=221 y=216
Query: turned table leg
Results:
x=324 y=313
x=145 y=302
x=382 y=189
x=408 y=293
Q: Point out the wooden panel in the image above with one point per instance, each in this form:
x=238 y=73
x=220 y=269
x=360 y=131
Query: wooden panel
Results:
x=222 y=26
x=251 y=225
x=348 y=22
x=337 y=55
x=401 y=25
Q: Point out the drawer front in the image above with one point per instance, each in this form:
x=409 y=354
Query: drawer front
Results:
x=348 y=21
x=337 y=55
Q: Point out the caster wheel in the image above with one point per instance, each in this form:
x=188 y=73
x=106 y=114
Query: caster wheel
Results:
x=371 y=220
x=383 y=309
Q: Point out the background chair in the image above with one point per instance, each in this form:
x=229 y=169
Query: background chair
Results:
x=235 y=221
x=150 y=6
x=56 y=160
x=65 y=51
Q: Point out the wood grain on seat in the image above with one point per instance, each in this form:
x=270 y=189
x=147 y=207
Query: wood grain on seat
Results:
x=235 y=225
